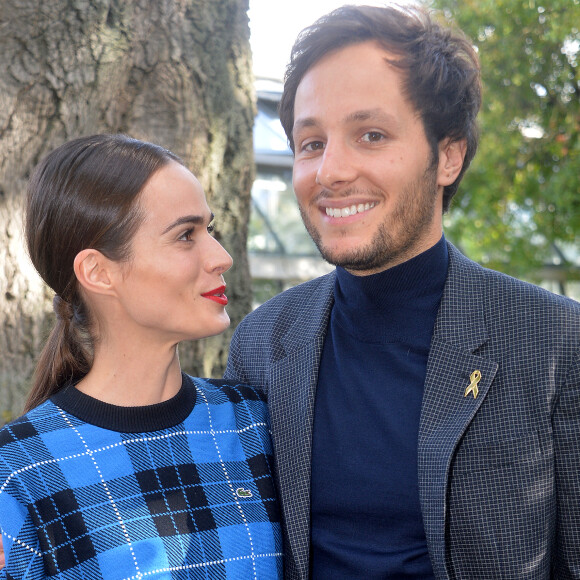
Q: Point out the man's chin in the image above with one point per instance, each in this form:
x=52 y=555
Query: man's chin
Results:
x=369 y=261
x=356 y=262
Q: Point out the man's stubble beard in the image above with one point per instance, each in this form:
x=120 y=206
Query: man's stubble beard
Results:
x=396 y=237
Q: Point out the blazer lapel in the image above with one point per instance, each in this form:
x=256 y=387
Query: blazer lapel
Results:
x=460 y=330
x=291 y=406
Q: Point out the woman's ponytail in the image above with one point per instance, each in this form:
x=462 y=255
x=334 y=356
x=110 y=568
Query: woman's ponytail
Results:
x=67 y=355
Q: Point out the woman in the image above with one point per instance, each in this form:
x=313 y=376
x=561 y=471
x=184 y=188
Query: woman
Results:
x=123 y=466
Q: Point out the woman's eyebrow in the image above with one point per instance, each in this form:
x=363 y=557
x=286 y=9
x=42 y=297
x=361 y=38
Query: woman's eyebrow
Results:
x=188 y=219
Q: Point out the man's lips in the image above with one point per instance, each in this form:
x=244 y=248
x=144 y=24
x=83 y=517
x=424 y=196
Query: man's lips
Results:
x=217 y=295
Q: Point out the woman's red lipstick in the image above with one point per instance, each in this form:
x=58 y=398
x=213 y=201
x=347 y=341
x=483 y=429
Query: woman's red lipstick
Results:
x=217 y=295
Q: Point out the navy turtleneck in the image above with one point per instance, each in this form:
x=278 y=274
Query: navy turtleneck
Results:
x=366 y=517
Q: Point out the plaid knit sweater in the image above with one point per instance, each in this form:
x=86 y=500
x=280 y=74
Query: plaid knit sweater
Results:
x=179 y=490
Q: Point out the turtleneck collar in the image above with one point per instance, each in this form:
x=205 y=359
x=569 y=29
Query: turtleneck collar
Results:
x=395 y=305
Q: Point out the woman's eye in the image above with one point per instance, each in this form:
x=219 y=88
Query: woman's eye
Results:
x=186 y=236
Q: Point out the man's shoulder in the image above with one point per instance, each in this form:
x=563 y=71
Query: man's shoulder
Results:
x=304 y=308
x=500 y=291
x=311 y=295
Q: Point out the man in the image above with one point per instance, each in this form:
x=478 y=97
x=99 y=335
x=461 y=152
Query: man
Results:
x=425 y=411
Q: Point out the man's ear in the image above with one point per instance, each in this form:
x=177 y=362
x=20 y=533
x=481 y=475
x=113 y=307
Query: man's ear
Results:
x=451 y=156
x=93 y=271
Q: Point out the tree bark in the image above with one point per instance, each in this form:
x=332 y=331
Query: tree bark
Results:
x=175 y=72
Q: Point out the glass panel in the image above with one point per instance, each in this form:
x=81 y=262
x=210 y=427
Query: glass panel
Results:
x=275 y=223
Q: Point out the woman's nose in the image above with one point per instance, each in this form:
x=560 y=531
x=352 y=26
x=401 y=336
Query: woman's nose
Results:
x=218 y=260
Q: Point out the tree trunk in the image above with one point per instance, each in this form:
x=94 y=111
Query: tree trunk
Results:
x=175 y=72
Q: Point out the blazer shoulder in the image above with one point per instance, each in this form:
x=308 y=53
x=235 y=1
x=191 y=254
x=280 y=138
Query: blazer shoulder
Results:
x=296 y=316
x=310 y=297
x=521 y=293
x=506 y=298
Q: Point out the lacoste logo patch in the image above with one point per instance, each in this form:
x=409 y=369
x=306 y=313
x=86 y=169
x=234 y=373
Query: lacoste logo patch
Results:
x=241 y=492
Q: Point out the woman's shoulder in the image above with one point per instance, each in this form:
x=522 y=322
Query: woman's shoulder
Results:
x=233 y=391
x=225 y=402
x=30 y=425
x=22 y=441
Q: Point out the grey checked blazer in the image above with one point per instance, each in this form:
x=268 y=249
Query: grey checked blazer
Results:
x=499 y=475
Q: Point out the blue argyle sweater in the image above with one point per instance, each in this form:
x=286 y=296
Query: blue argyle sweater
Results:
x=179 y=490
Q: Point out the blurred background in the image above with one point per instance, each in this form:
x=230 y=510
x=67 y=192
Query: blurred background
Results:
x=204 y=77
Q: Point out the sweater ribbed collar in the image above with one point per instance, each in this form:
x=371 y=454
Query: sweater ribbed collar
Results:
x=140 y=419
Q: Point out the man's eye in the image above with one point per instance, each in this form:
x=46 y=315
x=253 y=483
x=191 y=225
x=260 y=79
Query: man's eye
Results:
x=373 y=137
x=210 y=228
x=314 y=146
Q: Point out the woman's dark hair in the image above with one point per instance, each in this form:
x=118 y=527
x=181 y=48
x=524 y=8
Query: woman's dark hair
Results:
x=82 y=195
x=439 y=65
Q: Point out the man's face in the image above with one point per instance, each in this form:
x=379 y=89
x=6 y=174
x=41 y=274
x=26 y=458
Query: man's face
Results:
x=369 y=191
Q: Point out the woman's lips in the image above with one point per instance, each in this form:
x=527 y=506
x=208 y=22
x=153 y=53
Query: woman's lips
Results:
x=217 y=295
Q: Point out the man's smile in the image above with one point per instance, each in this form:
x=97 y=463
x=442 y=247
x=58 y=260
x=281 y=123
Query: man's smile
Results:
x=349 y=210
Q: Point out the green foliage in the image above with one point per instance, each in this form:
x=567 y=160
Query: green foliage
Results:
x=521 y=197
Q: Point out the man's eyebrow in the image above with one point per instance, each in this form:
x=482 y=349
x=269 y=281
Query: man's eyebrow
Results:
x=370 y=115
x=304 y=123
x=377 y=115
x=188 y=219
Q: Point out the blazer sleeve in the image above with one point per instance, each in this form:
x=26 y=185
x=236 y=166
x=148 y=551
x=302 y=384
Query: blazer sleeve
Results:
x=566 y=430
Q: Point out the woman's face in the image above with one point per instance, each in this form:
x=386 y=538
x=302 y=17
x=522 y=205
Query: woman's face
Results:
x=172 y=288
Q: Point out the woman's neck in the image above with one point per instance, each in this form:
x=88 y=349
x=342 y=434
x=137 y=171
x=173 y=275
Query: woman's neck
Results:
x=132 y=375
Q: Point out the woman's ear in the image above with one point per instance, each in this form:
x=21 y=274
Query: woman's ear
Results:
x=451 y=156
x=93 y=271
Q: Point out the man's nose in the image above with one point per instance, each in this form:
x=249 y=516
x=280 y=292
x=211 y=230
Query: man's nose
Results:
x=336 y=166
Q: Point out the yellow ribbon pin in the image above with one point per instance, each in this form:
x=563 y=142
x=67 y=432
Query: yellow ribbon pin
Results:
x=473 y=388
